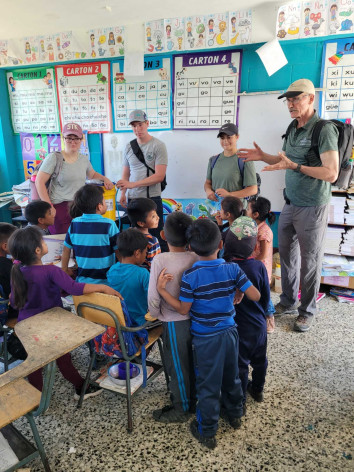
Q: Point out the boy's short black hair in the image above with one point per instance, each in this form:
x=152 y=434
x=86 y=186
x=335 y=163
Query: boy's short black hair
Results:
x=6 y=230
x=232 y=205
x=175 y=228
x=36 y=209
x=203 y=237
x=131 y=240
x=138 y=210
x=86 y=200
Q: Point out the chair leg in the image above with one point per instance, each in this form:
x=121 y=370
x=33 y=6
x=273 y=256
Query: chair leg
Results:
x=159 y=343
x=38 y=443
x=87 y=378
x=6 y=353
x=129 y=397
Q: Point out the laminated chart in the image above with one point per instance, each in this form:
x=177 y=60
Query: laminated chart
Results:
x=337 y=80
x=205 y=89
x=33 y=100
x=150 y=92
x=84 y=95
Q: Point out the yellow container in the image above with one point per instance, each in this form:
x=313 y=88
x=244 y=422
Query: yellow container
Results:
x=110 y=197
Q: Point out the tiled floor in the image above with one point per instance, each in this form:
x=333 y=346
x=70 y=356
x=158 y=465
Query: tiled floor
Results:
x=305 y=423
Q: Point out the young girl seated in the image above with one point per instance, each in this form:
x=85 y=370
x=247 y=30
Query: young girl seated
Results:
x=36 y=287
x=259 y=210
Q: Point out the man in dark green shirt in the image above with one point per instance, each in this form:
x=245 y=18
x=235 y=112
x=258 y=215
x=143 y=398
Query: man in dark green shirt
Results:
x=303 y=220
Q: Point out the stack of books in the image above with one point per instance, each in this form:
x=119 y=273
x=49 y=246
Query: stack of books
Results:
x=333 y=239
x=343 y=295
x=347 y=247
x=336 y=209
x=349 y=212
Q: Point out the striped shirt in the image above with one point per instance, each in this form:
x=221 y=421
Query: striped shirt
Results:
x=152 y=250
x=210 y=286
x=94 y=240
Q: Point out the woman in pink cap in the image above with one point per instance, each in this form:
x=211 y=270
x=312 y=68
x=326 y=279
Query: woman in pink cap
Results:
x=66 y=172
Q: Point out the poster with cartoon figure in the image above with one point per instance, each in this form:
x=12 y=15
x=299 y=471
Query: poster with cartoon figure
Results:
x=216 y=30
x=151 y=93
x=58 y=47
x=30 y=49
x=174 y=34
x=194 y=32
x=154 y=36
x=33 y=100
x=84 y=95
x=3 y=52
x=340 y=16
x=314 y=18
x=240 y=27
x=289 y=21
x=106 y=42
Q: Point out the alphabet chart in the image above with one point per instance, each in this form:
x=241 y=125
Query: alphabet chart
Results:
x=33 y=100
x=84 y=95
x=205 y=89
x=151 y=93
x=337 y=78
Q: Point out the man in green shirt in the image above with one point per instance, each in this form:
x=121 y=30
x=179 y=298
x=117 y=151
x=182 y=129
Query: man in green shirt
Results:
x=303 y=220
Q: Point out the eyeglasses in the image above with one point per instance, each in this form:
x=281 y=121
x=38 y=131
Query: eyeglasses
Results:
x=72 y=140
x=294 y=101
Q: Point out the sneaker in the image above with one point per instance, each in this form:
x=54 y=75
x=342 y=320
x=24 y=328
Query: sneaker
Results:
x=281 y=309
x=270 y=324
x=257 y=396
x=168 y=414
x=234 y=422
x=91 y=391
x=303 y=323
x=209 y=442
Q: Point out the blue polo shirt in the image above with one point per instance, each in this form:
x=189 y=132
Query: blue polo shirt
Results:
x=211 y=286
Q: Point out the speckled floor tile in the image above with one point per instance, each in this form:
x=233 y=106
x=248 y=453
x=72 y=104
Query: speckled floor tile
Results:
x=269 y=458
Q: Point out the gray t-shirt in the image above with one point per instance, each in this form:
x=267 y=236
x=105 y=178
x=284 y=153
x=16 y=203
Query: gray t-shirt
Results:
x=71 y=178
x=155 y=153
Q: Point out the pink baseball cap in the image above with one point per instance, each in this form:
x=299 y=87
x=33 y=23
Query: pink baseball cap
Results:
x=72 y=128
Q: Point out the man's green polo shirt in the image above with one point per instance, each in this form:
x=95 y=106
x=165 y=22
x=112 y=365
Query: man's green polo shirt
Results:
x=301 y=189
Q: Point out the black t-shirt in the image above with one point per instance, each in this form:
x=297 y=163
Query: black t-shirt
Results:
x=5 y=272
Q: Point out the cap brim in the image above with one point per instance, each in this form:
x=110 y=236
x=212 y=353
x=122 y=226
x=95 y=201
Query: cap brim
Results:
x=225 y=132
x=290 y=94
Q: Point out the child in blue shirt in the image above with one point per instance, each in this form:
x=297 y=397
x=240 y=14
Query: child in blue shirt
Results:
x=92 y=236
x=207 y=293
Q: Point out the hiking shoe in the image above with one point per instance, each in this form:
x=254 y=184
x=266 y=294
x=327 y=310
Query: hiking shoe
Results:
x=270 y=324
x=303 y=323
x=209 y=442
x=168 y=414
x=257 y=396
x=91 y=391
x=281 y=309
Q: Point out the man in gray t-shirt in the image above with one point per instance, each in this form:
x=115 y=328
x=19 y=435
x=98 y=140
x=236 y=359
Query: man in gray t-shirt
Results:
x=139 y=181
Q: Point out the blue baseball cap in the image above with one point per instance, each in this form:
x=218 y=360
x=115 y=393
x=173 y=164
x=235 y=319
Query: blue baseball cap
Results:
x=137 y=115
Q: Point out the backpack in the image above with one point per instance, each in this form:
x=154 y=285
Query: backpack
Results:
x=57 y=169
x=241 y=166
x=139 y=154
x=345 y=148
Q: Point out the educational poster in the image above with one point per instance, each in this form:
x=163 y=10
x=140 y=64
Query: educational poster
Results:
x=337 y=77
x=30 y=49
x=84 y=95
x=58 y=47
x=340 y=16
x=194 y=32
x=174 y=34
x=205 y=89
x=289 y=21
x=151 y=93
x=314 y=17
x=3 y=52
x=33 y=100
x=106 y=42
x=216 y=30
x=154 y=36
x=240 y=27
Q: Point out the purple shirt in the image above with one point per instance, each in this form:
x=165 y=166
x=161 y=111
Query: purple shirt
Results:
x=45 y=283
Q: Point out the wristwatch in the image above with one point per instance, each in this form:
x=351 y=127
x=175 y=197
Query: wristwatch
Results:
x=298 y=168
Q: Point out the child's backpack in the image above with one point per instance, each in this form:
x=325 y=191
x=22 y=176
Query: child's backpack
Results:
x=345 y=148
x=57 y=169
x=241 y=166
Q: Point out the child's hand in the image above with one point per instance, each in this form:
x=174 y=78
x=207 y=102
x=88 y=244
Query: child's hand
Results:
x=238 y=297
x=110 y=291
x=148 y=317
x=163 y=279
x=218 y=218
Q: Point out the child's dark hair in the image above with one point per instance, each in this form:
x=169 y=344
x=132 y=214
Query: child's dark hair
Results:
x=36 y=209
x=138 y=210
x=6 y=230
x=232 y=205
x=175 y=228
x=203 y=237
x=22 y=246
x=86 y=200
x=262 y=206
x=130 y=241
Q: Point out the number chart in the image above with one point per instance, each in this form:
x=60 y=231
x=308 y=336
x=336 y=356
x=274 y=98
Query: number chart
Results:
x=151 y=93
x=84 y=95
x=205 y=89
x=337 y=101
x=33 y=100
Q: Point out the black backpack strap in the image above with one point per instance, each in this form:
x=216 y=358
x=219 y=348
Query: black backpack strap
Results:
x=316 y=135
x=139 y=154
x=213 y=161
x=287 y=132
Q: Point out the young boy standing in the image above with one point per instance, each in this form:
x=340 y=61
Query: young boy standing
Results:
x=41 y=214
x=207 y=293
x=142 y=215
x=176 y=335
